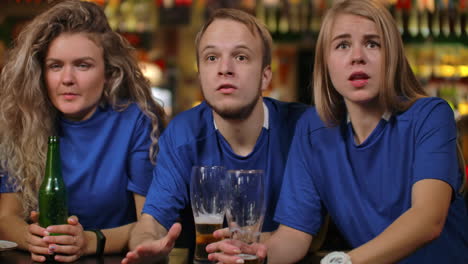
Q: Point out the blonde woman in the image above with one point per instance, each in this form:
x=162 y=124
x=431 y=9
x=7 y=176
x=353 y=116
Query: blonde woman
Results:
x=70 y=75
x=378 y=155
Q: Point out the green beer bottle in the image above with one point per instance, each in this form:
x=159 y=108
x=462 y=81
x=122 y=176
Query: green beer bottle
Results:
x=53 y=209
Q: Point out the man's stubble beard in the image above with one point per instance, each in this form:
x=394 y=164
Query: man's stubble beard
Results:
x=240 y=113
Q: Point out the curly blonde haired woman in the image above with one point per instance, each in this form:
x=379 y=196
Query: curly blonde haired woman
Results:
x=70 y=75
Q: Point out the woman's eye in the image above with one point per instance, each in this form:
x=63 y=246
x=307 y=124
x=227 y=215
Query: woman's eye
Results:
x=342 y=45
x=54 y=66
x=373 y=44
x=211 y=58
x=83 y=66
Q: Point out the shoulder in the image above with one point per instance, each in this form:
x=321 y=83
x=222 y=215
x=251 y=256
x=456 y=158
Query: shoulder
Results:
x=285 y=107
x=285 y=112
x=433 y=109
x=190 y=125
x=310 y=122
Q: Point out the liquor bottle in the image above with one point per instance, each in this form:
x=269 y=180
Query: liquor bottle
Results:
x=53 y=209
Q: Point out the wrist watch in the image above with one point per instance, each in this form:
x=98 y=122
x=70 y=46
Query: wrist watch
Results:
x=336 y=258
x=100 y=241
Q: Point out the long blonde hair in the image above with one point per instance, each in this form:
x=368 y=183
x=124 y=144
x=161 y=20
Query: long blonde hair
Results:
x=27 y=117
x=399 y=88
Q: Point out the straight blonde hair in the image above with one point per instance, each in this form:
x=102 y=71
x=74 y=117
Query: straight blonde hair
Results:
x=399 y=88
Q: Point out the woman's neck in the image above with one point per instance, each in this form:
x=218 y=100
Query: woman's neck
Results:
x=364 y=119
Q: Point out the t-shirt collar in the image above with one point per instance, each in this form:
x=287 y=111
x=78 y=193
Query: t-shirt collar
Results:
x=386 y=116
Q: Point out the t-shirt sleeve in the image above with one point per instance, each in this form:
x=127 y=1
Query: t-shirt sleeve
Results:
x=140 y=166
x=299 y=204
x=168 y=193
x=6 y=186
x=436 y=150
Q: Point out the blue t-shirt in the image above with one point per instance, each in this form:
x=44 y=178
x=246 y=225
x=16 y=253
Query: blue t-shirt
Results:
x=192 y=139
x=104 y=161
x=366 y=187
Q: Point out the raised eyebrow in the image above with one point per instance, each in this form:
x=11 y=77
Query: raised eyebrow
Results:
x=371 y=36
x=207 y=48
x=243 y=47
x=237 y=47
x=341 y=36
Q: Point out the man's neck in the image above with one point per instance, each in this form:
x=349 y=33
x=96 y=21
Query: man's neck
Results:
x=242 y=134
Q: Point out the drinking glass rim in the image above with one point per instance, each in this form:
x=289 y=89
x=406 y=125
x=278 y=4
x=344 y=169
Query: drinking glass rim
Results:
x=208 y=166
x=246 y=171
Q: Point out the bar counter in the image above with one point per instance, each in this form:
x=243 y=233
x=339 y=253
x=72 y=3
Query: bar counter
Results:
x=23 y=257
x=177 y=256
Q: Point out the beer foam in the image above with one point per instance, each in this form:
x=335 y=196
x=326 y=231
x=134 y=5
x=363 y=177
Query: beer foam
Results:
x=209 y=219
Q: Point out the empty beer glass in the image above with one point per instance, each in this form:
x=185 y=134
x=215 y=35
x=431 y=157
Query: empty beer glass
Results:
x=208 y=195
x=245 y=208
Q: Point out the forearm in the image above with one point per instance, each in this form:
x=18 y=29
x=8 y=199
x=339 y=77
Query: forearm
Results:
x=14 y=228
x=116 y=239
x=409 y=232
x=287 y=245
x=146 y=229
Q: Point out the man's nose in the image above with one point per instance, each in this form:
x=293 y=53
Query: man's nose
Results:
x=226 y=67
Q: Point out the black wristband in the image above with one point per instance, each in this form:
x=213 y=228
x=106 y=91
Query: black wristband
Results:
x=100 y=241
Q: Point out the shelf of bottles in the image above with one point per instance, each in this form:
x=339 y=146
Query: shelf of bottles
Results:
x=434 y=31
x=436 y=43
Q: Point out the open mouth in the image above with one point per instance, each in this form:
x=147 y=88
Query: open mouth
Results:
x=359 y=79
x=358 y=76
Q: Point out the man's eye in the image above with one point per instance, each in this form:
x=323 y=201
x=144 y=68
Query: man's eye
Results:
x=241 y=58
x=211 y=58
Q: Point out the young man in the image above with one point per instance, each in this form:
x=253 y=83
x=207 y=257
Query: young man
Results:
x=235 y=127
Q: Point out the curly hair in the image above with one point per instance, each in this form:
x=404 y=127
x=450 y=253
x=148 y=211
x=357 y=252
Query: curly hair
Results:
x=27 y=116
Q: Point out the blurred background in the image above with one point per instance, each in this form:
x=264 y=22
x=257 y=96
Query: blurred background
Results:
x=163 y=33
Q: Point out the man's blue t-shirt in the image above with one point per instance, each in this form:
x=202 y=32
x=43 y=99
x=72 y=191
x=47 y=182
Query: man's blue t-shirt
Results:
x=104 y=162
x=192 y=139
x=366 y=187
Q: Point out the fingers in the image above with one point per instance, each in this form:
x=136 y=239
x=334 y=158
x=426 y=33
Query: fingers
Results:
x=173 y=233
x=257 y=249
x=223 y=258
x=227 y=246
x=222 y=233
x=131 y=258
x=71 y=240
x=37 y=258
x=73 y=220
x=36 y=230
x=231 y=248
x=36 y=245
x=61 y=258
x=73 y=228
x=154 y=249
x=34 y=216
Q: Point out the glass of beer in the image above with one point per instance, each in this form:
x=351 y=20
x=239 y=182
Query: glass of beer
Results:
x=245 y=209
x=208 y=196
